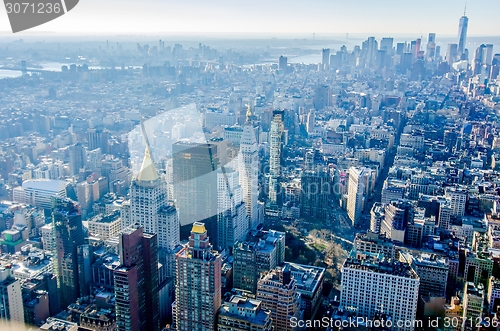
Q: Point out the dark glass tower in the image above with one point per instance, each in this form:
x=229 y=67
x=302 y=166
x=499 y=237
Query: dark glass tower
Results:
x=68 y=229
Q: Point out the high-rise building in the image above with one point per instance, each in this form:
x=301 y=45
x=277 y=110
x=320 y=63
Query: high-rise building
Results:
x=372 y=283
x=243 y=314
x=148 y=196
x=282 y=63
x=97 y=138
x=356 y=193
x=260 y=252
x=277 y=291
x=431 y=47
x=386 y=44
x=452 y=53
x=248 y=166
x=232 y=221
x=315 y=187
x=325 y=59
x=462 y=34
x=398 y=214
x=458 y=198
x=275 y=145
x=198 y=283
x=136 y=281
x=372 y=242
x=77 y=158
x=195 y=185
x=11 y=297
x=369 y=50
x=68 y=230
x=322 y=97
x=433 y=273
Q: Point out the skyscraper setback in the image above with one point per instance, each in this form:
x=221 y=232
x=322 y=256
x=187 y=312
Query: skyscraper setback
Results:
x=198 y=283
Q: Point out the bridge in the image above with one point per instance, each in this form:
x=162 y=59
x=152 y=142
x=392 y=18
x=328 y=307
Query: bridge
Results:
x=24 y=69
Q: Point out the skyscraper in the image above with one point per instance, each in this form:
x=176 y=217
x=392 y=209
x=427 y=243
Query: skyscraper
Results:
x=275 y=144
x=195 y=184
x=431 y=46
x=68 y=229
x=277 y=291
x=315 y=187
x=249 y=171
x=356 y=194
x=136 y=281
x=149 y=209
x=77 y=157
x=282 y=63
x=462 y=34
x=232 y=221
x=198 y=283
x=325 y=61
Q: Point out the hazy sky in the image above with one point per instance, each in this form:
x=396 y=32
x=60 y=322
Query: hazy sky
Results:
x=275 y=16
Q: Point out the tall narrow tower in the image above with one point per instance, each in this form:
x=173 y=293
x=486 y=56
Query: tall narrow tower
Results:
x=198 y=288
x=136 y=282
x=462 y=33
x=275 y=142
x=68 y=229
x=248 y=164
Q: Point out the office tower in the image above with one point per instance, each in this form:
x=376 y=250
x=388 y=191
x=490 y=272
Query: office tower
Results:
x=473 y=304
x=444 y=216
x=311 y=121
x=369 y=51
x=398 y=214
x=325 y=59
x=431 y=46
x=260 y=252
x=248 y=166
x=462 y=35
x=149 y=208
x=479 y=59
x=356 y=193
x=97 y=138
x=243 y=314
x=458 y=199
x=195 y=185
x=77 y=157
x=386 y=44
x=322 y=97
x=400 y=48
x=68 y=229
x=392 y=190
x=136 y=281
x=198 y=283
x=452 y=53
x=282 y=63
x=93 y=161
x=315 y=187
x=11 y=298
x=277 y=291
x=232 y=221
x=275 y=145
x=372 y=283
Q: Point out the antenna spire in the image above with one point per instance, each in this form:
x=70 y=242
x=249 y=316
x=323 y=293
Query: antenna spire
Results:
x=465 y=8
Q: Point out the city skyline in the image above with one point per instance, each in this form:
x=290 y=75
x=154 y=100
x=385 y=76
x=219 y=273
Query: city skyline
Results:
x=318 y=16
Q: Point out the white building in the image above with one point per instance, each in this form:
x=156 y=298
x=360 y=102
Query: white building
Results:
x=232 y=221
x=356 y=193
x=105 y=226
x=372 y=283
x=248 y=166
x=458 y=198
x=39 y=192
x=11 y=299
